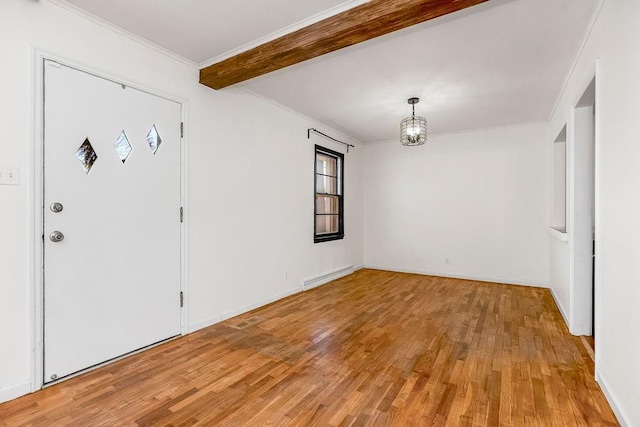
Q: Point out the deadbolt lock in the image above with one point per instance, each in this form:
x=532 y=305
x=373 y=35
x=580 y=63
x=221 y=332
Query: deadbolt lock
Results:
x=56 y=207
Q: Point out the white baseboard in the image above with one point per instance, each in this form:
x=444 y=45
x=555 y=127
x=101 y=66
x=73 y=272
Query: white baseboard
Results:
x=560 y=309
x=232 y=313
x=613 y=402
x=506 y=281
x=15 y=390
x=358 y=267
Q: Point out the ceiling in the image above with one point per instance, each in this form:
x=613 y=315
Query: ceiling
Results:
x=206 y=31
x=498 y=63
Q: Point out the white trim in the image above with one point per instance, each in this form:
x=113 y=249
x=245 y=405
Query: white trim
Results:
x=15 y=390
x=42 y=53
x=122 y=32
x=570 y=212
x=621 y=415
x=358 y=267
x=244 y=309
x=184 y=238
x=560 y=308
x=597 y=303
x=502 y=280
x=37 y=207
x=576 y=58
x=350 y=4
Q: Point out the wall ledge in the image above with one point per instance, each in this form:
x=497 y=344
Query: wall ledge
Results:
x=560 y=234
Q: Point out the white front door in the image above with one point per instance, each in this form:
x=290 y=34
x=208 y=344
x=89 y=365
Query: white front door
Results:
x=111 y=220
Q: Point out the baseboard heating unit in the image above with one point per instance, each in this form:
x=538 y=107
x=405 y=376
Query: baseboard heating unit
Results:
x=325 y=278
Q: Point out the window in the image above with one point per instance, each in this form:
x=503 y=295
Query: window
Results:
x=329 y=195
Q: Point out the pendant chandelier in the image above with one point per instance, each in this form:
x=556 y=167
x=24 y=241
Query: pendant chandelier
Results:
x=413 y=130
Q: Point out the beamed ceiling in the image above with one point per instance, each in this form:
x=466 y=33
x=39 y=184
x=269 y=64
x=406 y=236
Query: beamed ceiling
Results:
x=352 y=65
x=359 y=24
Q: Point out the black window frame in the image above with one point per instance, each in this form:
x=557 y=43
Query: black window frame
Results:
x=327 y=237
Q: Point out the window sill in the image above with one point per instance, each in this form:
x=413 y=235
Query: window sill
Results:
x=320 y=239
x=559 y=233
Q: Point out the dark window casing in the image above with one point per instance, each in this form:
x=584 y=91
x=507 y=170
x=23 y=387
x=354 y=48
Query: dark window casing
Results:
x=328 y=206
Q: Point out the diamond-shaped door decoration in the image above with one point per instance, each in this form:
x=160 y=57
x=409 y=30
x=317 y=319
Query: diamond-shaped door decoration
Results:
x=154 y=140
x=122 y=146
x=87 y=155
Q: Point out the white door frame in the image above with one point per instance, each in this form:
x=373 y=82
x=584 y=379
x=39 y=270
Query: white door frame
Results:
x=597 y=272
x=581 y=303
x=36 y=187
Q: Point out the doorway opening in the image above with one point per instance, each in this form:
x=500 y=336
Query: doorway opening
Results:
x=583 y=239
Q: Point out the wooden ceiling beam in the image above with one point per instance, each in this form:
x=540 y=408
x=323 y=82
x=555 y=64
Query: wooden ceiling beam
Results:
x=361 y=23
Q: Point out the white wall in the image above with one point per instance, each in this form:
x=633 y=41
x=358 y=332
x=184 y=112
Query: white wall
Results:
x=244 y=154
x=472 y=204
x=614 y=43
x=488 y=189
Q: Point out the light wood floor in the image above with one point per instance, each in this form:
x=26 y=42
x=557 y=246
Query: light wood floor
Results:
x=373 y=348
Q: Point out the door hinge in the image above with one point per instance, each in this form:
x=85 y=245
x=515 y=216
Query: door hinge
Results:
x=181 y=214
x=181 y=129
x=181 y=299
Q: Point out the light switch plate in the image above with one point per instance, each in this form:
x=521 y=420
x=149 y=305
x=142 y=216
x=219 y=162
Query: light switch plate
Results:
x=9 y=176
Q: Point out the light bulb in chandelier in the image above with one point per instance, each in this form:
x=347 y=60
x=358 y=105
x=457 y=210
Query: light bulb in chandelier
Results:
x=413 y=132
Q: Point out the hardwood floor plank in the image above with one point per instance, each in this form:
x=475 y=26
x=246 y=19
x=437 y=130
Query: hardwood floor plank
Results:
x=372 y=348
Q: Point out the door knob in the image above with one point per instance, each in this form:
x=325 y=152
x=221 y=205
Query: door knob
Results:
x=56 y=207
x=56 y=237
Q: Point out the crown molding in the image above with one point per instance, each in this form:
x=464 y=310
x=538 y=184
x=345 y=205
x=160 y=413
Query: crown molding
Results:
x=576 y=58
x=284 y=31
x=122 y=32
